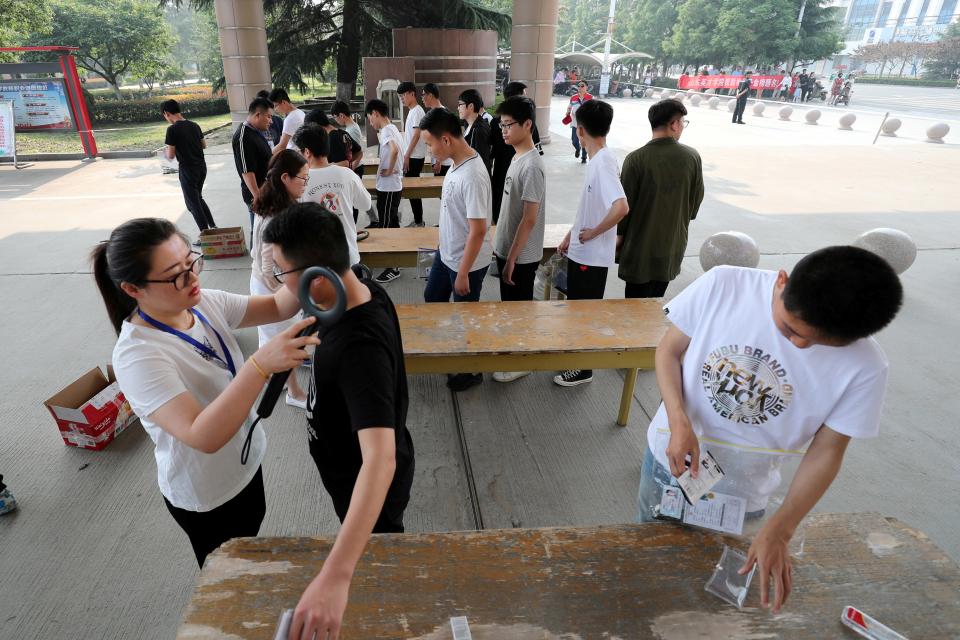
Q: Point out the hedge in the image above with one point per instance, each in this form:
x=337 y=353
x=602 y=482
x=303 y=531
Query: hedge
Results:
x=140 y=111
x=908 y=82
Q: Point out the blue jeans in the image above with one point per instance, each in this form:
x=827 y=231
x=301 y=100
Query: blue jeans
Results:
x=441 y=279
x=576 y=141
x=653 y=478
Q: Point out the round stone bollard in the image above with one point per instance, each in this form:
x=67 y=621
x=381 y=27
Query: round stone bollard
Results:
x=648 y=93
x=846 y=122
x=627 y=93
x=936 y=132
x=714 y=102
x=893 y=245
x=758 y=109
x=695 y=100
x=812 y=116
x=889 y=128
x=731 y=104
x=729 y=247
x=785 y=113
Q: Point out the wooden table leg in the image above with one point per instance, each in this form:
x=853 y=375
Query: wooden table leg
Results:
x=629 y=382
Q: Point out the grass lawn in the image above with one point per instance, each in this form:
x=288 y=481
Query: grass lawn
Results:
x=140 y=137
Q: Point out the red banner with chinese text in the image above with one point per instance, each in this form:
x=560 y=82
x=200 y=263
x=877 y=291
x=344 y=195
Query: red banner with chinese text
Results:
x=727 y=82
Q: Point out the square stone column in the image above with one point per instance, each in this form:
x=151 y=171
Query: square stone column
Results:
x=243 y=44
x=533 y=43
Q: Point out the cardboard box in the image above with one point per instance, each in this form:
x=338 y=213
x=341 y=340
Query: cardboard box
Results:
x=91 y=411
x=227 y=242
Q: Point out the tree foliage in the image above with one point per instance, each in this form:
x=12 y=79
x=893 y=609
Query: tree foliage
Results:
x=943 y=57
x=18 y=19
x=115 y=36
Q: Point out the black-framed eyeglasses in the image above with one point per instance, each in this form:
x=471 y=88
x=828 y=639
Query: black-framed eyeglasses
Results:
x=278 y=275
x=182 y=279
x=506 y=125
x=305 y=179
x=686 y=123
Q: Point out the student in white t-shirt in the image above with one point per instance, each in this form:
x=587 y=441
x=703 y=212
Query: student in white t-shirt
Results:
x=761 y=361
x=591 y=243
x=431 y=100
x=389 y=180
x=465 y=247
x=415 y=152
x=286 y=180
x=181 y=369
x=337 y=188
x=292 y=119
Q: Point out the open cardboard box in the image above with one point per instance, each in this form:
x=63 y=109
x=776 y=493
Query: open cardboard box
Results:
x=91 y=411
x=227 y=242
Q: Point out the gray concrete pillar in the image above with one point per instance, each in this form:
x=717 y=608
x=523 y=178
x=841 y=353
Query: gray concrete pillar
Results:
x=243 y=44
x=533 y=43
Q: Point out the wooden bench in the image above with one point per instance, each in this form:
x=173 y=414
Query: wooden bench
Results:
x=627 y=581
x=422 y=187
x=399 y=247
x=371 y=163
x=534 y=336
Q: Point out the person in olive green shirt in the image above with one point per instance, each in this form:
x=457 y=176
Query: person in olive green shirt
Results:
x=663 y=181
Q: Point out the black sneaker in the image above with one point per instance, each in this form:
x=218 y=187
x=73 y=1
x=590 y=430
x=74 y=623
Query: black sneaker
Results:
x=583 y=160
x=573 y=377
x=463 y=381
x=387 y=275
x=576 y=154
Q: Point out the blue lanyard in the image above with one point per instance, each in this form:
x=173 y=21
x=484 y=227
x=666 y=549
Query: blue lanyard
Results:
x=189 y=340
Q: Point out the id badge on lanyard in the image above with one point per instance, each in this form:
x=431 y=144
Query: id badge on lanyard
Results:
x=226 y=360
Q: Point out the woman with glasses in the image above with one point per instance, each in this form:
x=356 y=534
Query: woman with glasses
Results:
x=577 y=101
x=181 y=369
x=286 y=181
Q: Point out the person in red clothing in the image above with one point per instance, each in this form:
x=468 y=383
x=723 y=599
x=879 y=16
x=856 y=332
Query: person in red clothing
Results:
x=571 y=118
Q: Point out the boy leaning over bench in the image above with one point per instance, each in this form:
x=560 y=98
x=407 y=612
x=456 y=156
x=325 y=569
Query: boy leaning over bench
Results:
x=759 y=359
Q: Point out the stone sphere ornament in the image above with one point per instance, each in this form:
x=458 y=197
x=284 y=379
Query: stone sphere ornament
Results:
x=893 y=245
x=758 y=109
x=649 y=93
x=785 y=113
x=731 y=104
x=812 y=116
x=846 y=122
x=627 y=93
x=714 y=102
x=731 y=248
x=695 y=100
x=936 y=132
x=889 y=128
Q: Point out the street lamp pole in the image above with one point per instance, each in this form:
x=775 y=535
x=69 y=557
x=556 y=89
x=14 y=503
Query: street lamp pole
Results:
x=605 y=72
x=796 y=35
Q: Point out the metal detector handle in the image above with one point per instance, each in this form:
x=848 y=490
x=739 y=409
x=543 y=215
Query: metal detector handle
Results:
x=325 y=318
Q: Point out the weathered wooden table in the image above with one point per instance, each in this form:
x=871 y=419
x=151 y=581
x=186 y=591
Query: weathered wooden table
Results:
x=399 y=247
x=534 y=336
x=421 y=187
x=629 y=581
x=371 y=163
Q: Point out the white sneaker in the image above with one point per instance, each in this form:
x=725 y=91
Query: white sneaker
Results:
x=509 y=376
x=293 y=402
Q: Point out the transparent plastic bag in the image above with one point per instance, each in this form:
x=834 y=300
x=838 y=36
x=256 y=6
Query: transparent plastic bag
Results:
x=726 y=582
x=755 y=483
x=425 y=259
x=550 y=282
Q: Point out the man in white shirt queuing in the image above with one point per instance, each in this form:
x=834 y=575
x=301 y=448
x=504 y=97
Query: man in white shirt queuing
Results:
x=389 y=180
x=415 y=148
x=431 y=100
x=461 y=261
x=761 y=361
x=337 y=188
x=292 y=119
x=591 y=243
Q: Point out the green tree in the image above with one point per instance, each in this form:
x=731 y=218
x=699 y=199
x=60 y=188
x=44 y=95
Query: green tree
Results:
x=209 y=58
x=693 y=40
x=113 y=35
x=821 y=32
x=943 y=60
x=649 y=28
x=18 y=18
x=755 y=31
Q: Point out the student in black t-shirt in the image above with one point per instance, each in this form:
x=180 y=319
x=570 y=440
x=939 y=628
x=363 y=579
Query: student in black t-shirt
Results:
x=274 y=132
x=251 y=152
x=185 y=142
x=356 y=411
x=343 y=148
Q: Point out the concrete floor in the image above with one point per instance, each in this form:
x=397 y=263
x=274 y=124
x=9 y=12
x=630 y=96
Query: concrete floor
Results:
x=92 y=552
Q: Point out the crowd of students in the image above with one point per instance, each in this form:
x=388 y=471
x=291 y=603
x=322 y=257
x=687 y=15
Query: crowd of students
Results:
x=178 y=363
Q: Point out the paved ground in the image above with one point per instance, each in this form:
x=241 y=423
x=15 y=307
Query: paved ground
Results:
x=92 y=552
